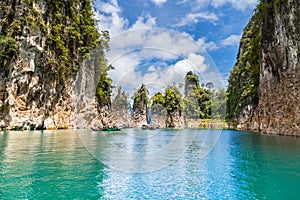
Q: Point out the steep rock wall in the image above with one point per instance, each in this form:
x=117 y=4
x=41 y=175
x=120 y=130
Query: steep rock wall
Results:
x=279 y=95
x=277 y=110
x=41 y=48
x=140 y=107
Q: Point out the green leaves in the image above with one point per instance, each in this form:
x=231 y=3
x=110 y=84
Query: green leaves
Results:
x=140 y=98
x=73 y=35
x=158 y=98
x=244 y=78
x=104 y=86
x=197 y=100
x=8 y=49
x=172 y=99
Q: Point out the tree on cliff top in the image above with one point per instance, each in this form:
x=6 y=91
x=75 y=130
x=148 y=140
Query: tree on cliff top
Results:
x=158 y=98
x=197 y=100
x=158 y=103
x=191 y=83
x=173 y=99
x=67 y=27
x=140 y=99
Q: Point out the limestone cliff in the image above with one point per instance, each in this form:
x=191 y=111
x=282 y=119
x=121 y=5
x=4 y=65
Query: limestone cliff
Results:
x=140 y=107
x=243 y=85
x=42 y=46
x=120 y=110
x=277 y=110
x=158 y=110
x=173 y=106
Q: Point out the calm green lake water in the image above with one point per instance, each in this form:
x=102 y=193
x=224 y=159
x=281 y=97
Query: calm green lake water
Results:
x=135 y=164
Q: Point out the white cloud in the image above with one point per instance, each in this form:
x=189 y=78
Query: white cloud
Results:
x=152 y=43
x=110 y=17
x=198 y=62
x=156 y=77
x=237 y=4
x=194 y=18
x=159 y=2
x=203 y=4
x=108 y=8
x=232 y=40
x=209 y=46
x=144 y=22
x=174 y=53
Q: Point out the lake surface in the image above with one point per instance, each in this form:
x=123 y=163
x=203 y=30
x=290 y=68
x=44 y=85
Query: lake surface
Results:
x=159 y=164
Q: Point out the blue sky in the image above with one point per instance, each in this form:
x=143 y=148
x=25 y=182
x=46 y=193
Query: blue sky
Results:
x=141 y=55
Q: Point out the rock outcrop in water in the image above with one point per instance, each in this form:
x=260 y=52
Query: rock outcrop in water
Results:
x=120 y=110
x=158 y=110
x=276 y=110
x=140 y=107
x=173 y=106
x=42 y=46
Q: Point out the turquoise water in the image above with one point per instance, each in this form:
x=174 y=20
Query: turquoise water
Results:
x=92 y=165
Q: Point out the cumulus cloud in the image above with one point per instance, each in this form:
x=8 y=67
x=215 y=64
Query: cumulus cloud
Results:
x=109 y=14
x=152 y=42
x=144 y=22
x=157 y=76
x=208 y=46
x=194 y=18
x=109 y=7
x=168 y=55
x=232 y=40
x=237 y=4
x=159 y=2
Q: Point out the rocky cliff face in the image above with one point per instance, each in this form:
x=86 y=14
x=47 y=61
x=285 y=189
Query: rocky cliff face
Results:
x=242 y=91
x=140 y=107
x=277 y=110
x=120 y=110
x=158 y=115
x=173 y=107
x=42 y=46
x=279 y=95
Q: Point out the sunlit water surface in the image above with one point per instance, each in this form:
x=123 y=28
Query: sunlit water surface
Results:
x=93 y=165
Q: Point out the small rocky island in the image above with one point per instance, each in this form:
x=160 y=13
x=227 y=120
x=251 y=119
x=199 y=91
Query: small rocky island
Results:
x=172 y=109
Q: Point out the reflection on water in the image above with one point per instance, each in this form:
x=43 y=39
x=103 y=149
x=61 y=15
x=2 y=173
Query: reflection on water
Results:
x=137 y=151
x=81 y=165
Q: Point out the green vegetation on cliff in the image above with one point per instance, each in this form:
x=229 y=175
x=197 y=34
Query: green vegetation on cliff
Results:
x=140 y=99
x=158 y=98
x=173 y=99
x=158 y=103
x=244 y=78
x=104 y=86
x=197 y=100
x=66 y=31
